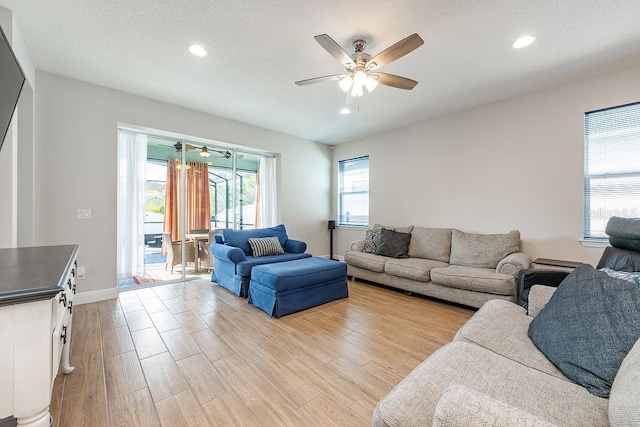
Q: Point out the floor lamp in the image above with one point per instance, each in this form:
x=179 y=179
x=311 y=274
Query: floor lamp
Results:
x=331 y=225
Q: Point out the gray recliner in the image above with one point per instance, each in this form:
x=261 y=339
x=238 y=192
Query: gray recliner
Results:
x=622 y=255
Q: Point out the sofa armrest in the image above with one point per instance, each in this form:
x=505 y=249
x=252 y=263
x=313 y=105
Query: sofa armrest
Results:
x=228 y=253
x=357 y=245
x=539 y=296
x=295 y=246
x=513 y=263
x=461 y=406
x=535 y=276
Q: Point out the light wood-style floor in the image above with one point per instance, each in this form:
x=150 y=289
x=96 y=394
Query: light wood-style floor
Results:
x=194 y=354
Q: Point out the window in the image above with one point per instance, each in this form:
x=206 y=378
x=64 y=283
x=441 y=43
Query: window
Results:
x=353 y=198
x=611 y=167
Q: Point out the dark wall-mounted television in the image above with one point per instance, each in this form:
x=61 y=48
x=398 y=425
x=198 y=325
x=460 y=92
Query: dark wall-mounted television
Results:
x=11 y=82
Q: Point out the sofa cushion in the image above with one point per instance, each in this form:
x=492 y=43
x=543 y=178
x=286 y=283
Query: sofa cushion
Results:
x=240 y=238
x=371 y=262
x=588 y=327
x=413 y=401
x=502 y=327
x=624 y=400
x=474 y=279
x=393 y=244
x=406 y=229
x=464 y=406
x=412 y=268
x=430 y=243
x=263 y=246
x=482 y=250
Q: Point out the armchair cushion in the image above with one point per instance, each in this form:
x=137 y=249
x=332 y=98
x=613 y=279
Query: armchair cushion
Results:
x=588 y=326
x=240 y=238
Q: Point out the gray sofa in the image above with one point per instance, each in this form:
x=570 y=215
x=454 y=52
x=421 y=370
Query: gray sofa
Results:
x=493 y=374
x=445 y=263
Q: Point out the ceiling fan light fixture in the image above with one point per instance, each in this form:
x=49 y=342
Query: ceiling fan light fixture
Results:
x=204 y=152
x=345 y=83
x=371 y=83
x=360 y=78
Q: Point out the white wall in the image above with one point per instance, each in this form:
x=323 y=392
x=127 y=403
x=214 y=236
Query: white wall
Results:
x=16 y=169
x=76 y=134
x=515 y=164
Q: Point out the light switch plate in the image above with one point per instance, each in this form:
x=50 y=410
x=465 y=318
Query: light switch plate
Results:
x=84 y=213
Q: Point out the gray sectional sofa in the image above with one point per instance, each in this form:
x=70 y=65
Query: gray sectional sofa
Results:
x=445 y=263
x=493 y=374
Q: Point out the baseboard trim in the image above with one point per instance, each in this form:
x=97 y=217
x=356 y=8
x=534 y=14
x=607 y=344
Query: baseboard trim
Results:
x=94 y=296
x=335 y=257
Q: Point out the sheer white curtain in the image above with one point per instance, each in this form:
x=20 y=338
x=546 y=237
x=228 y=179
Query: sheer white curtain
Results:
x=269 y=215
x=132 y=161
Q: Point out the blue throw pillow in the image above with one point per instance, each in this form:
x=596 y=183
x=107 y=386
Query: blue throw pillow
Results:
x=588 y=326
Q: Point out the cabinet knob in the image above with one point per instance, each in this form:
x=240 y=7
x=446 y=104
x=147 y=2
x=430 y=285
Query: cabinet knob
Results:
x=70 y=306
x=73 y=272
x=63 y=299
x=63 y=335
x=69 y=283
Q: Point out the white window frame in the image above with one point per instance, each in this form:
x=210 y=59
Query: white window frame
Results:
x=356 y=189
x=611 y=167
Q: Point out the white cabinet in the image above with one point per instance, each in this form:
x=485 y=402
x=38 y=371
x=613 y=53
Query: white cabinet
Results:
x=37 y=286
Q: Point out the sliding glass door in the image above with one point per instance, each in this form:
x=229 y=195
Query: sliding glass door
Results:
x=191 y=193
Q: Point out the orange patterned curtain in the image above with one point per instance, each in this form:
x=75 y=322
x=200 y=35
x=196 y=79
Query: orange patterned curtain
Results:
x=198 y=200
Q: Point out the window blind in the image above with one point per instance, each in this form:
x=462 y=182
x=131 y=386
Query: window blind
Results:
x=611 y=167
x=353 y=192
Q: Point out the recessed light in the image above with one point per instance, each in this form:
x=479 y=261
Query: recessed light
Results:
x=345 y=110
x=197 y=50
x=523 y=42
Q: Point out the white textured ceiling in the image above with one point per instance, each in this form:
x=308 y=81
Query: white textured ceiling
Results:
x=257 y=49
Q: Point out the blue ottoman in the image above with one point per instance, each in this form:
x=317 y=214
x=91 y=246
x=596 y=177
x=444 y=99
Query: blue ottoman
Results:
x=286 y=287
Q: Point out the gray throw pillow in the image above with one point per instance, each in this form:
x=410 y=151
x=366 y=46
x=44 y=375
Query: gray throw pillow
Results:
x=588 y=326
x=393 y=244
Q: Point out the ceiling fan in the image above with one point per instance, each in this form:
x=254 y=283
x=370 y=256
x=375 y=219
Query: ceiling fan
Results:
x=360 y=66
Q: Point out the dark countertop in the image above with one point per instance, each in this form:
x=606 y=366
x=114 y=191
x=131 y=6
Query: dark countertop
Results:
x=34 y=273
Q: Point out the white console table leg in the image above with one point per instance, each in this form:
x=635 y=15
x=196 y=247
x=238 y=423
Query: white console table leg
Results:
x=42 y=419
x=65 y=364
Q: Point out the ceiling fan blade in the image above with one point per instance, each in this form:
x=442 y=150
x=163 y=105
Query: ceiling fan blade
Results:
x=397 y=51
x=395 y=81
x=335 y=50
x=319 y=79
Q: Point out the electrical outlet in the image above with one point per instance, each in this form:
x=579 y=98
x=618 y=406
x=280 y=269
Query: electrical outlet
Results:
x=81 y=273
x=84 y=213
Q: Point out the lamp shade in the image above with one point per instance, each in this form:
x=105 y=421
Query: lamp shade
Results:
x=371 y=84
x=345 y=83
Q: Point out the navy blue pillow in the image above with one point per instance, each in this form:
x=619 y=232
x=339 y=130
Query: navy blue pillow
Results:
x=588 y=326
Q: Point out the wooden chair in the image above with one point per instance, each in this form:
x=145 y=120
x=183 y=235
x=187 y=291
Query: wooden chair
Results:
x=174 y=251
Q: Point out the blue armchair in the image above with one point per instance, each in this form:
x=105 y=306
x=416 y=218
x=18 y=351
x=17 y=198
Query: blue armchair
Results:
x=234 y=258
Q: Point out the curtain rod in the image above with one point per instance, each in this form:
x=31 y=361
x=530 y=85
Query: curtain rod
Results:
x=166 y=138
